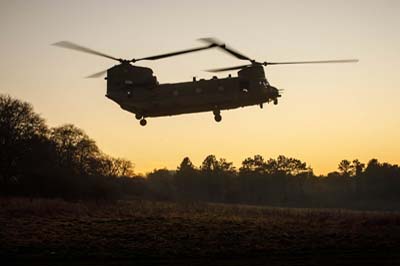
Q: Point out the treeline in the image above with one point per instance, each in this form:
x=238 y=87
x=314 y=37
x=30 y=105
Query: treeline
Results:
x=38 y=161
x=63 y=161
x=280 y=182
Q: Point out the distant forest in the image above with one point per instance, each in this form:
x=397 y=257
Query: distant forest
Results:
x=63 y=162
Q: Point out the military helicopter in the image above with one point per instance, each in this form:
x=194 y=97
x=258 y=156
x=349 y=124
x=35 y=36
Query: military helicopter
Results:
x=137 y=90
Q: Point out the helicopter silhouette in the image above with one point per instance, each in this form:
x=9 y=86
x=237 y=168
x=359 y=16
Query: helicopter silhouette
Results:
x=137 y=90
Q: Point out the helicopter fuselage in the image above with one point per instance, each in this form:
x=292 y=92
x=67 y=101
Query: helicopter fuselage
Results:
x=136 y=90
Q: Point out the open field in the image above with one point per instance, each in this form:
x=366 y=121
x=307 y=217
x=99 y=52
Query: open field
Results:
x=54 y=229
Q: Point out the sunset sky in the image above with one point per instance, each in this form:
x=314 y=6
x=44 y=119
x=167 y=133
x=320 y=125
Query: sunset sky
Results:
x=327 y=113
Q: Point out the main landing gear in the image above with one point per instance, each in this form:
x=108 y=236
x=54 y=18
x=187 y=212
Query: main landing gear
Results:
x=142 y=121
x=217 y=116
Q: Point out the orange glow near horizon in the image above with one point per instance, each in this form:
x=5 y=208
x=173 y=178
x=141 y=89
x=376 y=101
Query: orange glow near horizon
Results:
x=327 y=112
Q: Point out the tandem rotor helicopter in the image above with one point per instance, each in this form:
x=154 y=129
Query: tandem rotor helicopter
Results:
x=137 y=90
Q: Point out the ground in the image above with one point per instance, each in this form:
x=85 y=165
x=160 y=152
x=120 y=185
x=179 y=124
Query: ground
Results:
x=41 y=229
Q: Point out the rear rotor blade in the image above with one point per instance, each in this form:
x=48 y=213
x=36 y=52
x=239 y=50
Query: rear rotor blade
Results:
x=225 y=48
x=98 y=74
x=227 y=68
x=312 y=62
x=73 y=46
x=156 y=57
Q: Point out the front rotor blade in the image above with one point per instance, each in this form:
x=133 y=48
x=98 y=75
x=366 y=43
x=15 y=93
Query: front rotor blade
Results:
x=98 y=74
x=225 y=48
x=312 y=62
x=227 y=68
x=155 y=57
x=73 y=46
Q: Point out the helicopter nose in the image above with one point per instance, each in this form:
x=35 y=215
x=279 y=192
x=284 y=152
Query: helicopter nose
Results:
x=274 y=91
x=277 y=92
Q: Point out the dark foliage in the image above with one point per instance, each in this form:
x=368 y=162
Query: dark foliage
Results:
x=64 y=162
x=57 y=162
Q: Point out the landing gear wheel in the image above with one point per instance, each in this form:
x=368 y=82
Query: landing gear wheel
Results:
x=275 y=101
x=217 y=118
x=143 y=122
x=138 y=116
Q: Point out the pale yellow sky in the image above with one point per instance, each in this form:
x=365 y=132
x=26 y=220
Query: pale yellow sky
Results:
x=327 y=112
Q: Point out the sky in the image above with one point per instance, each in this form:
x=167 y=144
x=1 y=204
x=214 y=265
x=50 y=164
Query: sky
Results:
x=327 y=113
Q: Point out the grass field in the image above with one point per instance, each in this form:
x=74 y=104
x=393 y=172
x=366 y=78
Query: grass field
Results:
x=54 y=229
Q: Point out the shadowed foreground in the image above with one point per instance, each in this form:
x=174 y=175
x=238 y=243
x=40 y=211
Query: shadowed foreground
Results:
x=59 y=230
